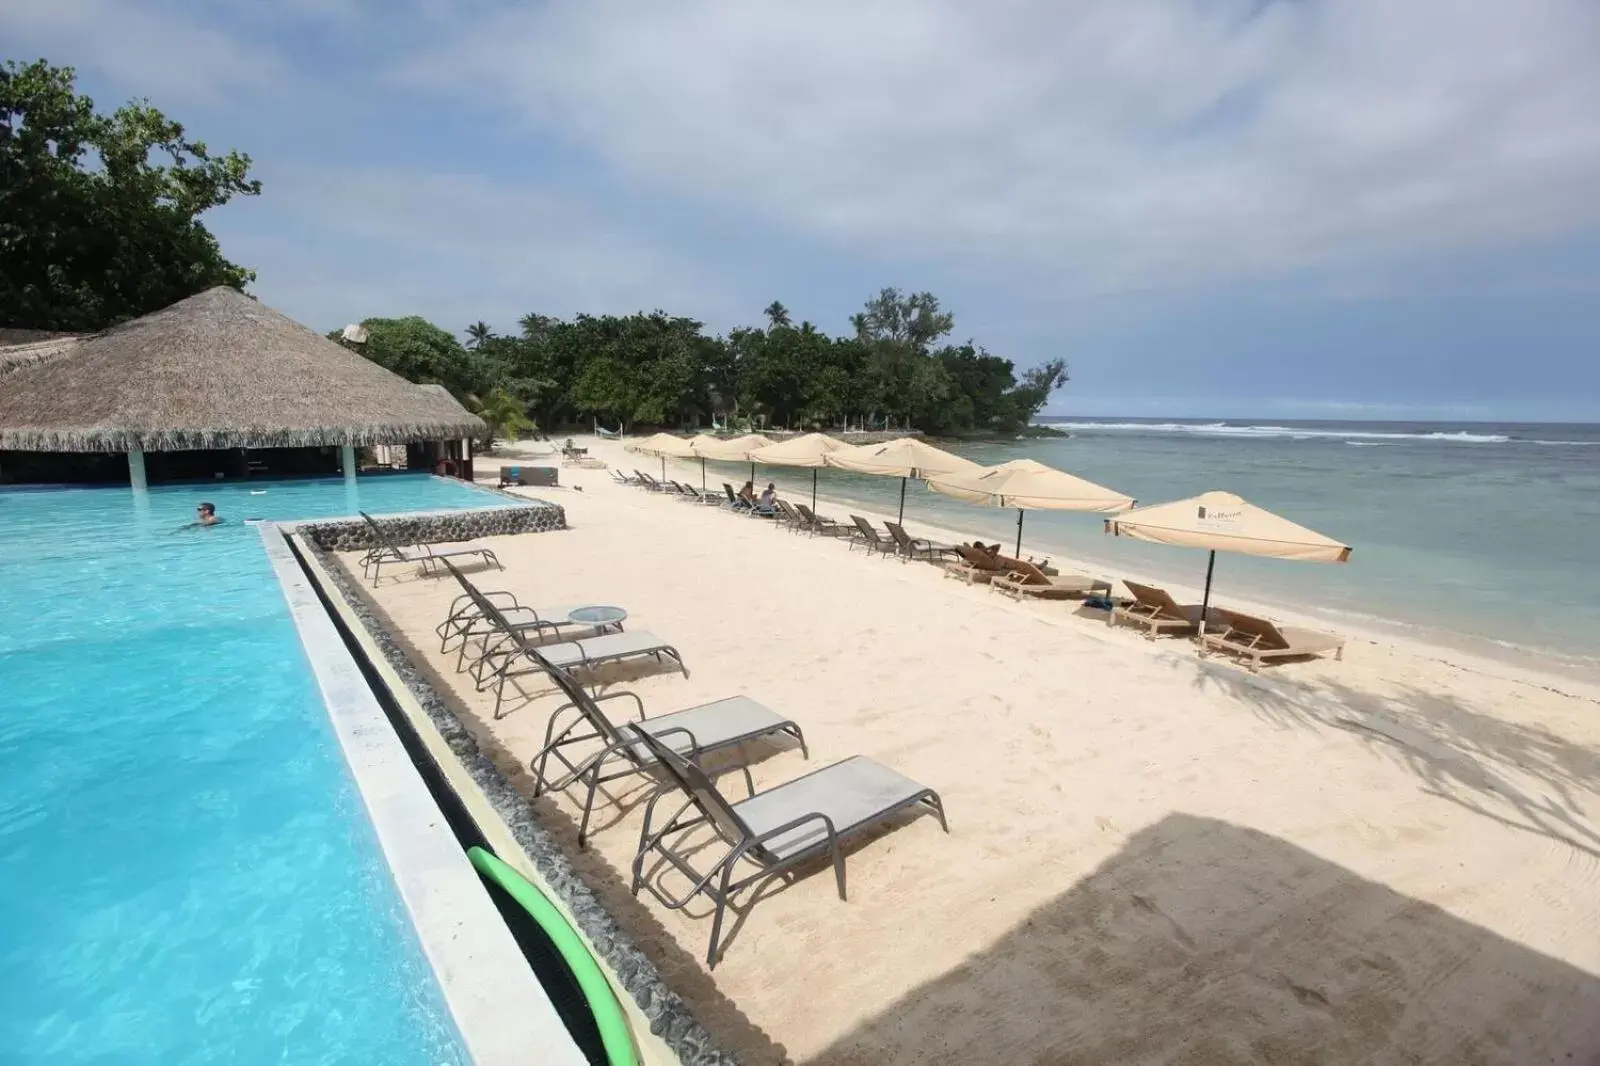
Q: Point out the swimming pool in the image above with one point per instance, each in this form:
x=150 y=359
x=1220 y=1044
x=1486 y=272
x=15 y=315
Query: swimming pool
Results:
x=187 y=873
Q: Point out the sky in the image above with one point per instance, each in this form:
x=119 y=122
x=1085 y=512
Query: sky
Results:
x=1230 y=208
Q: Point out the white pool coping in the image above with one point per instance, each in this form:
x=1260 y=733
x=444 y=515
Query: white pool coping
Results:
x=501 y=1012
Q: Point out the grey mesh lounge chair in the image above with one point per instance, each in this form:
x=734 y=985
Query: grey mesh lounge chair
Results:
x=587 y=654
x=1026 y=579
x=466 y=620
x=388 y=549
x=867 y=534
x=775 y=831
x=696 y=731
x=1258 y=640
x=1156 y=610
x=909 y=547
x=735 y=501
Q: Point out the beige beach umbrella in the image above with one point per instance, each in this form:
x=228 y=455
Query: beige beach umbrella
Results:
x=904 y=458
x=1221 y=521
x=807 y=450
x=662 y=445
x=727 y=450
x=1029 y=485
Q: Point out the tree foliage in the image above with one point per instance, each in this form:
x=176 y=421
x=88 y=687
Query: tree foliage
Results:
x=99 y=214
x=420 y=351
x=896 y=371
x=504 y=414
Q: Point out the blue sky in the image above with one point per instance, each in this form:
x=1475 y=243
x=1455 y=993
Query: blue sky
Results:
x=1272 y=208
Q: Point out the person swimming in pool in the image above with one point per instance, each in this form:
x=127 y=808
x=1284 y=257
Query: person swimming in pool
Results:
x=204 y=515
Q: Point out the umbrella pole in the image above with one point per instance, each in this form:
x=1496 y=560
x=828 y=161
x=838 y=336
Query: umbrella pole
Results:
x=702 y=474
x=1019 y=532
x=1205 y=601
x=813 y=488
x=902 y=517
x=663 y=468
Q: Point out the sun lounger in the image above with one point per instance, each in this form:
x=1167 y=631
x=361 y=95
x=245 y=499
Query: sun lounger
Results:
x=586 y=654
x=651 y=483
x=1156 y=610
x=467 y=620
x=705 y=498
x=787 y=517
x=694 y=732
x=815 y=523
x=909 y=547
x=389 y=550
x=1027 y=579
x=977 y=565
x=775 y=831
x=1258 y=640
x=735 y=501
x=867 y=534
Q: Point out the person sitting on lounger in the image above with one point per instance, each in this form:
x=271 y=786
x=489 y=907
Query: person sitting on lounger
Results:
x=768 y=498
x=748 y=493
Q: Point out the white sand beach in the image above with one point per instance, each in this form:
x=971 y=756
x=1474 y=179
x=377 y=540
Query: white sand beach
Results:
x=1151 y=857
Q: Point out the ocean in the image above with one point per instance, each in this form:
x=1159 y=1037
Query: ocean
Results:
x=1483 y=536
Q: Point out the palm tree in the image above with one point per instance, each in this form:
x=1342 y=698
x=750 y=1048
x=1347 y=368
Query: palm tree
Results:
x=503 y=413
x=777 y=314
x=535 y=326
x=478 y=334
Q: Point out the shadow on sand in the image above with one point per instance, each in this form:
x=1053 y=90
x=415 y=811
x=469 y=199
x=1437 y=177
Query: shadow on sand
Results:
x=1518 y=774
x=1201 y=942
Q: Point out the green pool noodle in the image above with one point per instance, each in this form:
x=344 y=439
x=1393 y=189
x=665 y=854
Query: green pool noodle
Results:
x=608 y=1017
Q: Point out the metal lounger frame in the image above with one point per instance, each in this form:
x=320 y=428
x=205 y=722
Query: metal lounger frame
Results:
x=389 y=549
x=719 y=884
x=620 y=743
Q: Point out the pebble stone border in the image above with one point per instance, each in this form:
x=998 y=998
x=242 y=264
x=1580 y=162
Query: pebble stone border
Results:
x=669 y=1017
x=439 y=527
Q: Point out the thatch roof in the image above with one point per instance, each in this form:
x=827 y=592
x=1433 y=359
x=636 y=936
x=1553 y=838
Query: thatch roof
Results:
x=444 y=405
x=218 y=370
x=15 y=356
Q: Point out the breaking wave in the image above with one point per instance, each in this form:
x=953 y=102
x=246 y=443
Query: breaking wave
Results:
x=1224 y=429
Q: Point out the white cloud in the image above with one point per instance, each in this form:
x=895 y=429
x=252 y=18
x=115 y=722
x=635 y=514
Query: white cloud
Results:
x=1115 y=143
x=164 y=53
x=348 y=243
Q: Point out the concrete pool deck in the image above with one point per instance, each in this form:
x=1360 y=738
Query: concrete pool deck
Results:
x=501 y=1012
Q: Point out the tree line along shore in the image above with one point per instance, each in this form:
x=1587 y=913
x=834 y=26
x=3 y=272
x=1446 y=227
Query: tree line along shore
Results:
x=100 y=223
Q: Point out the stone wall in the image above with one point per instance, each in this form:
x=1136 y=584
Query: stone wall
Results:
x=439 y=527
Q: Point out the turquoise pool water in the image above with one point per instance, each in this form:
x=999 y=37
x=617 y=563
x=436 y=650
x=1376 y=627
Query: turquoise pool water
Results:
x=187 y=874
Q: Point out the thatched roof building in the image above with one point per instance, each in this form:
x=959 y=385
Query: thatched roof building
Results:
x=218 y=370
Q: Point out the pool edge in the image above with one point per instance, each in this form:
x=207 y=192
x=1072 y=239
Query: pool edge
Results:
x=501 y=1013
